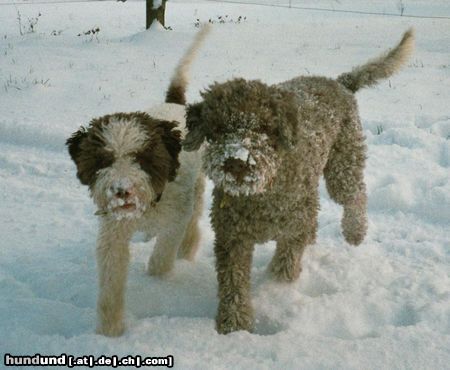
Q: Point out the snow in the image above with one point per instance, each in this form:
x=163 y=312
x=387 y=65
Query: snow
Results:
x=383 y=305
x=260 y=159
x=157 y=4
x=241 y=154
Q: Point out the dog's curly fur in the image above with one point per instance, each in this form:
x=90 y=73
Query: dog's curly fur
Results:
x=140 y=179
x=267 y=147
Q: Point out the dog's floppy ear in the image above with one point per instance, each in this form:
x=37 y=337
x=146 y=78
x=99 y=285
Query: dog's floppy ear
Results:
x=73 y=143
x=195 y=126
x=286 y=118
x=172 y=141
x=159 y=156
x=287 y=130
x=87 y=152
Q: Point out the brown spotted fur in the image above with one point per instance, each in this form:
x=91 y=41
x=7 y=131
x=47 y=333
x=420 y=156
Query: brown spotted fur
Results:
x=159 y=158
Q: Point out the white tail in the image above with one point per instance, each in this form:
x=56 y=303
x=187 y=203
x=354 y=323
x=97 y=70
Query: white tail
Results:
x=177 y=88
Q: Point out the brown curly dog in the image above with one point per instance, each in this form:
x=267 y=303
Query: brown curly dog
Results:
x=267 y=147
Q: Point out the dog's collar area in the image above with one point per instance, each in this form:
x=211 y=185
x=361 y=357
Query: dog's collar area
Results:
x=155 y=201
x=101 y=212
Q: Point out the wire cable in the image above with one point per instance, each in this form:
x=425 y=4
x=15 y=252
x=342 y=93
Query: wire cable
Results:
x=332 y=10
x=286 y=6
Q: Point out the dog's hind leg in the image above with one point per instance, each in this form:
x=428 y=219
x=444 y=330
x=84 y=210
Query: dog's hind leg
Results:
x=345 y=182
x=167 y=242
x=286 y=263
x=173 y=231
x=191 y=240
x=112 y=262
x=163 y=257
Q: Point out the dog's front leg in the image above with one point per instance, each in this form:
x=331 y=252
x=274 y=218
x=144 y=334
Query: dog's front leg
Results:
x=354 y=219
x=112 y=262
x=233 y=265
x=344 y=175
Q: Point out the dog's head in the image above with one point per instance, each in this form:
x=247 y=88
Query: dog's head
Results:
x=247 y=126
x=126 y=159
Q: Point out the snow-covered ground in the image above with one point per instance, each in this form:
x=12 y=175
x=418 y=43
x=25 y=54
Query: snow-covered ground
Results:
x=383 y=305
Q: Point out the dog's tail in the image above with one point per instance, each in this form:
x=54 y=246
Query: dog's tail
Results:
x=381 y=67
x=176 y=93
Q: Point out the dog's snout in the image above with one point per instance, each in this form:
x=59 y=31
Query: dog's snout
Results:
x=121 y=192
x=236 y=167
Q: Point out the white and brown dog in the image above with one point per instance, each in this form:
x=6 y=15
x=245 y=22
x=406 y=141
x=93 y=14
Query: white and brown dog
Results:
x=140 y=180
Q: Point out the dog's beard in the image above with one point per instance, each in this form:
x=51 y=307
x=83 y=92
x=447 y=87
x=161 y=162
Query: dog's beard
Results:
x=260 y=164
x=119 y=208
x=130 y=208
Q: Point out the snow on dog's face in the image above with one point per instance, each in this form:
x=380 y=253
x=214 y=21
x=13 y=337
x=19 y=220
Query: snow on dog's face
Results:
x=243 y=162
x=126 y=159
x=246 y=125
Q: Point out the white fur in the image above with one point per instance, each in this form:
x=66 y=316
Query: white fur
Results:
x=123 y=137
x=166 y=220
x=172 y=220
x=123 y=171
x=181 y=75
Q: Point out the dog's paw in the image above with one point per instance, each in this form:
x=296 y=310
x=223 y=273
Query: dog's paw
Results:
x=354 y=239
x=156 y=267
x=230 y=319
x=111 y=329
x=285 y=271
x=354 y=225
x=285 y=266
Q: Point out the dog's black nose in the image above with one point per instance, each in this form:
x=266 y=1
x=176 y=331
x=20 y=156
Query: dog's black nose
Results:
x=120 y=192
x=236 y=167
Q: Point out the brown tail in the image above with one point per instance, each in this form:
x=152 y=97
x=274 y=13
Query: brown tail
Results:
x=379 y=68
x=176 y=93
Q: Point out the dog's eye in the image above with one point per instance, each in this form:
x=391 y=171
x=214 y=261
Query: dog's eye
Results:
x=91 y=164
x=142 y=160
x=104 y=160
x=100 y=163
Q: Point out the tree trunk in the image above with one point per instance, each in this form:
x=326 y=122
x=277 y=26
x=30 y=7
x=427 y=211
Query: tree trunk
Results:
x=152 y=13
